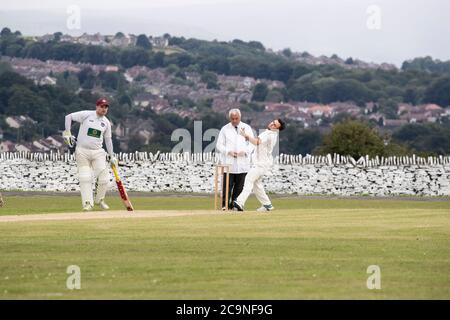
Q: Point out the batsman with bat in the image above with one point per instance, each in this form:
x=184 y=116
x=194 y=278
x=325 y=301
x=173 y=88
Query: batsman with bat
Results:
x=89 y=153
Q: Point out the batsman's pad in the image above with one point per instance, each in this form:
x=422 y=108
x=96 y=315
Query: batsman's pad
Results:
x=85 y=177
x=102 y=185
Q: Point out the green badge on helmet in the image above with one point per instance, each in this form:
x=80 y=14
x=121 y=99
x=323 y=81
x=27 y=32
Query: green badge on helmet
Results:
x=94 y=133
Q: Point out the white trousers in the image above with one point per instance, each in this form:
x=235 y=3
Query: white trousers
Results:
x=253 y=181
x=92 y=164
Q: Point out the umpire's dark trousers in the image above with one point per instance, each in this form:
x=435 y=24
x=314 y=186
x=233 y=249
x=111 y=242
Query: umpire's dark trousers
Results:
x=235 y=188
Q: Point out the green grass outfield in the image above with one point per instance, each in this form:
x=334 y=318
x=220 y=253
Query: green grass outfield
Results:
x=306 y=249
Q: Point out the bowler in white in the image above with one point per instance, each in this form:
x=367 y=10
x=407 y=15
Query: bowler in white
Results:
x=262 y=161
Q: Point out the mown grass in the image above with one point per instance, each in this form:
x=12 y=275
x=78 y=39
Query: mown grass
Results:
x=306 y=249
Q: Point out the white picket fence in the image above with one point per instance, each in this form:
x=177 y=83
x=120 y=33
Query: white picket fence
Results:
x=308 y=159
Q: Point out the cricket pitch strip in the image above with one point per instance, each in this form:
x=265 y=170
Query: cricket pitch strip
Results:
x=101 y=215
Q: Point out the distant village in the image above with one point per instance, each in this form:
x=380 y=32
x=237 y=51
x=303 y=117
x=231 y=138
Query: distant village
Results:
x=159 y=90
x=118 y=40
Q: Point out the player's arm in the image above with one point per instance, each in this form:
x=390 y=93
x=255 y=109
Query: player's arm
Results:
x=249 y=137
x=249 y=147
x=109 y=145
x=79 y=116
x=69 y=139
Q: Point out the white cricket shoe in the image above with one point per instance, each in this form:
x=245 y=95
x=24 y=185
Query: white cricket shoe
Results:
x=103 y=205
x=88 y=207
x=265 y=208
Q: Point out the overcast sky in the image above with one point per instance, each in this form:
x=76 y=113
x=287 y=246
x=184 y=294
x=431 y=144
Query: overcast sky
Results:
x=407 y=28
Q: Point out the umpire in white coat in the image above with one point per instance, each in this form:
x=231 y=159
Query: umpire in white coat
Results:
x=235 y=151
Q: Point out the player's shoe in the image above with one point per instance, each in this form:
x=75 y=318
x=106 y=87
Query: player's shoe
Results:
x=266 y=208
x=237 y=206
x=103 y=205
x=88 y=207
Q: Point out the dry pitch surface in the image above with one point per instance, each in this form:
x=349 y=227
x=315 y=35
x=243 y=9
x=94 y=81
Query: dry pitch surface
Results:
x=100 y=215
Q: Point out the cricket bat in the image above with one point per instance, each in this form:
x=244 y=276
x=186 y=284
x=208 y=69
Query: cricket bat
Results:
x=123 y=193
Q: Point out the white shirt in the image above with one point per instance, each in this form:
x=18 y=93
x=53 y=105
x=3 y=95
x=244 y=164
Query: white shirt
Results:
x=262 y=156
x=230 y=140
x=92 y=129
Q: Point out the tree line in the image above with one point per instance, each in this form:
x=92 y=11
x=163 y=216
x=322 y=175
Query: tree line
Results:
x=321 y=83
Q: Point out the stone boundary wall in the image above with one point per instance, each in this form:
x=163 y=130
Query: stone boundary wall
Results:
x=291 y=174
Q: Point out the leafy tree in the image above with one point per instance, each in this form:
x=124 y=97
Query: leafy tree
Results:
x=23 y=101
x=5 y=32
x=110 y=56
x=5 y=67
x=287 y=52
x=296 y=140
x=133 y=57
x=172 y=69
x=143 y=42
x=389 y=107
x=352 y=138
x=87 y=78
x=112 y=80
x=65 y=51
x=256 y=45
x=427 y=64
x=331 y=90
x=10 y=78
x=93 y=54
x=68 y=81
x=34 y=50
x=176 y=41
x=260 y=92
x=274 y=95
x=158 y=59
x=217 y=64
x=301 y=70
x=210 y=79
x=57 y=36
x=411 y=95
x=439 y=92
x=183 y=60
x=282 y=71
x=13 y=50
x=428 y=139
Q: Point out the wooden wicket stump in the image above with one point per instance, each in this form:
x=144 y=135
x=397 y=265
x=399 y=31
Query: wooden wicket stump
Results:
x=220 y=171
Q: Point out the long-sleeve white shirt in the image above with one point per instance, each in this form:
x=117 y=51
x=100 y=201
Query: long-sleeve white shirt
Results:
x=93 y=130
x=262 y=156
x=230 y=140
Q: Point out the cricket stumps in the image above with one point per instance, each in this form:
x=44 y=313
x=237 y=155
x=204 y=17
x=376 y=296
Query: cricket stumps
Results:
x=220 y=170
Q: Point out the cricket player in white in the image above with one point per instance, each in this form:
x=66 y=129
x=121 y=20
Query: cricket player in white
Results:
x=89 y=153
x=262 y=161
